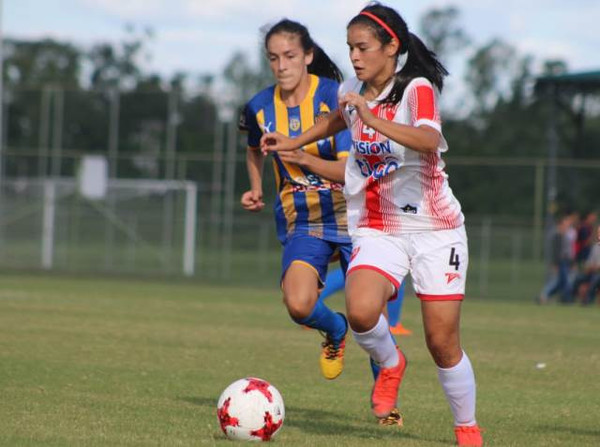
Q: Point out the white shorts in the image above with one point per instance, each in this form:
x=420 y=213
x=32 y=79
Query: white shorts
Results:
x=436 y=260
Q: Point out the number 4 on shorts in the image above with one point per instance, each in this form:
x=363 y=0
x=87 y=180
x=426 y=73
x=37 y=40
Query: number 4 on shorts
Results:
x=454 y=261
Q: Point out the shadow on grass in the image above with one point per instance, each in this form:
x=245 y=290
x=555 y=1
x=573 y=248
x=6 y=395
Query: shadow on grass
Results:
x=328 y=423
x=200 y=401
x=570 y=430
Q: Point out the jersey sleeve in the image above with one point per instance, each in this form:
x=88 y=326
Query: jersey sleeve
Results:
x=345 y=87
x=422 y=105
x=342 y=139
x=247 y=123
x=242 y=119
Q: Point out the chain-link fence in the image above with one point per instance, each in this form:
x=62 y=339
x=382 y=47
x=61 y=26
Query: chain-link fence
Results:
x=48 y=131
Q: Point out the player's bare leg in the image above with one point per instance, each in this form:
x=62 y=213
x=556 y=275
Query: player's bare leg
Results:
x=441 y=320
x=367 y=293
x=300 y=289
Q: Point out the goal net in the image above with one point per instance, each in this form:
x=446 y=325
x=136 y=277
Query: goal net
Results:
x=135 y=226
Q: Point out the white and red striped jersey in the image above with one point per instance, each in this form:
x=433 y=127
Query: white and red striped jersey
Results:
x=389 y=187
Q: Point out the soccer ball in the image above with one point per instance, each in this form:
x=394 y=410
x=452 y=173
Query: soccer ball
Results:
x=250 y=409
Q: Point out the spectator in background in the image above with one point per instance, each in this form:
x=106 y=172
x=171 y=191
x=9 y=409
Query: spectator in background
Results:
x=585 y=238
x=561 y=259
x=591 y=273
x=570 y=251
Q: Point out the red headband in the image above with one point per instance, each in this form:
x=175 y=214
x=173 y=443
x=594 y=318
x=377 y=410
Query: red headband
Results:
x=383 y=25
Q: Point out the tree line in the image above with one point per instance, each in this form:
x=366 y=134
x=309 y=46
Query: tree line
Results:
x=502 y=115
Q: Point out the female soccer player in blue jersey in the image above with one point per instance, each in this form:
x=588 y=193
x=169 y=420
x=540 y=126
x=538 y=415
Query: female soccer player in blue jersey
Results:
x=310 y=209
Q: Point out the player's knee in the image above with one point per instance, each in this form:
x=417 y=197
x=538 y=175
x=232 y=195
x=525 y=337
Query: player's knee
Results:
x=361 y=323
x=445 y=351
x=299 y=307
x=360 y=318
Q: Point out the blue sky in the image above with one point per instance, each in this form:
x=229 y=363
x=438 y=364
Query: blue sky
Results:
x=199 y=36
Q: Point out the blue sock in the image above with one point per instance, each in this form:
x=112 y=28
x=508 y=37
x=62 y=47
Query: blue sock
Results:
x=394 y=307
x=326 y=320
x=333 y=282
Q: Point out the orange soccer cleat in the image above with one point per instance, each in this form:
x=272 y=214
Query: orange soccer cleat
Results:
x=468 y=435
x=400 y=330
x=384 y=396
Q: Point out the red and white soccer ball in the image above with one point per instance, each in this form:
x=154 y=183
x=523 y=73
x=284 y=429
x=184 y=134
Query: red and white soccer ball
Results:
x=250 y=409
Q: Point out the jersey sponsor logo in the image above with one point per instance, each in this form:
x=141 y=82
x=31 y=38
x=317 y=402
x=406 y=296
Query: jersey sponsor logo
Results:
x=451 y=277
x=372 y=147
x=324 y=187
x=294 y=124
x=307 y=180
x=409 y=209
x=379 y=168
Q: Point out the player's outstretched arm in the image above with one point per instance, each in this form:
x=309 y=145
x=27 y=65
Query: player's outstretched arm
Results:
x=252 y=200
x=330 y=125
x=332 y=170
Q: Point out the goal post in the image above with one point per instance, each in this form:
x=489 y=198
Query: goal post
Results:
x=133 y=193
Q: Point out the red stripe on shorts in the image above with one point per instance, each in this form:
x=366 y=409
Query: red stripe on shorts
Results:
x=393 y=280
x=455 y=297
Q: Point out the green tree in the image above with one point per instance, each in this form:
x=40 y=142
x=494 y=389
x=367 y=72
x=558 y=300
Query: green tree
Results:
x=489 y=72
x=34 y=63
x=119 y=65
x=243 y=80
x=441 y=30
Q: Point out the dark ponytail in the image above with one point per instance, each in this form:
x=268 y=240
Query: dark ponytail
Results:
x=321 y=65
x=421 y=61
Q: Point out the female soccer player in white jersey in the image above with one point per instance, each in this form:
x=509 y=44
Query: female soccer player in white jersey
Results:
x=402 y=215
x=310 y=209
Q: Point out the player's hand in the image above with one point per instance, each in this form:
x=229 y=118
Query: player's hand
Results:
x=252 y=201
x=358 y=103
x=296 y=156
x=276 y=142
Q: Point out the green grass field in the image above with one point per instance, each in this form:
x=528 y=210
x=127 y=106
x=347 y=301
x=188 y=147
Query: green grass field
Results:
x=111 y=362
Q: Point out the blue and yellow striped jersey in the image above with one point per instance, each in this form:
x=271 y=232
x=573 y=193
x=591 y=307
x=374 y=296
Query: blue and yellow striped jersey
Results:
x=305 y=203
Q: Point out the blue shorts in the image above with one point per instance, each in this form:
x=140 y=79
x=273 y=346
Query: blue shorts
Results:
x=315 y=253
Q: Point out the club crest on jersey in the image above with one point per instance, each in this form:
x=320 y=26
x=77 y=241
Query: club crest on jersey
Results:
x=294 y=124
x=372 y=147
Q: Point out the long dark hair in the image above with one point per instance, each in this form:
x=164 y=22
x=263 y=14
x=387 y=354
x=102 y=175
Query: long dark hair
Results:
x=421 y=61
x=321 y=64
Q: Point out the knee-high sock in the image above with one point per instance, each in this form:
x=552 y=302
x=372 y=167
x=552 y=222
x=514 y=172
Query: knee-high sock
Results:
x=374 y=366
x=378 y=344
x=458 y=384
x=326 y=320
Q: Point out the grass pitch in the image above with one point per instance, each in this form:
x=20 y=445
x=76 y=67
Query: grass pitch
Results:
x=115 y=362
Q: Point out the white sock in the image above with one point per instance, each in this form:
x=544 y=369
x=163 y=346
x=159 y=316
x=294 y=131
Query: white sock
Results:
x=378 y=344
x=458 y=383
